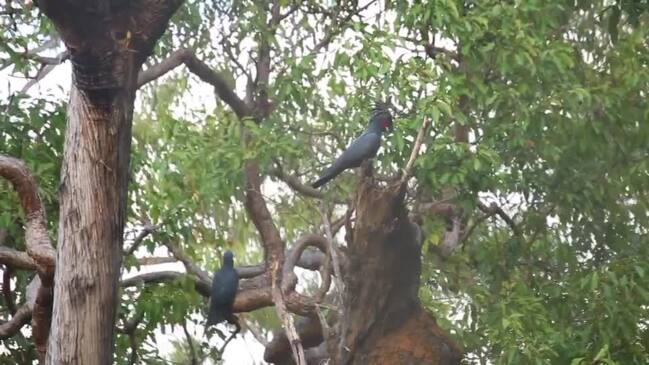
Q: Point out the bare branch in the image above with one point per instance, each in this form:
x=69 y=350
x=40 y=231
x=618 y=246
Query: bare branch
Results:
x=137 y=241
x=310 y=331
x=340 y=285
x=60 y=58
x=144 y=261
x=37 y=240
x=39 y=248
x=408 y=170
x=16 y=259
x=297 y=251
x=295 y=184
x=21 y=318
x=290 y=11
x=256 y=333
x=129 y=328
x=273 y=250
x=495 y=209
x=44 y=71
x=190 y=343
x=442 y=207
x=203 y=287
x=286 y=318
x=204 y=72
x=190 y=266
x=25 y=313
x=310 y=260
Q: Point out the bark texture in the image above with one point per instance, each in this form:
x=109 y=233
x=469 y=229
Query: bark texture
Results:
x=383 y=321
x=94 y=181
x=107 y=43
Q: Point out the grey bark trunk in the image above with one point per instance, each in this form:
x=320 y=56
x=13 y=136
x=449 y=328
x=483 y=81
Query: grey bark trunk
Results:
x=94 y=181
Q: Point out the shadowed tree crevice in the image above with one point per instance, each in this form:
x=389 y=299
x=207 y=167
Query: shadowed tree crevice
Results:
x=382 y=280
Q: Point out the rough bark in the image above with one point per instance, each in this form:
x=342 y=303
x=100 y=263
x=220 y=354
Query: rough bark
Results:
x=107 y=43
x=383 y=321
x=94 y=181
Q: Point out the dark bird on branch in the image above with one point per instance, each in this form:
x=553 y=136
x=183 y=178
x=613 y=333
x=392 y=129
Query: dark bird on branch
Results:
x=364 y=147
x=224 y=290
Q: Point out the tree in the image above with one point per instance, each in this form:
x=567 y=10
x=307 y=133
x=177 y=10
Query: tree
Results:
x=523 y=220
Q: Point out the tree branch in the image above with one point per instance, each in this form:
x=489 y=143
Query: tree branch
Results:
x=16 y=259
x=144 y=261
x=129 y=328
x=137 y=241
x=204 y=72
x=190 y=266
x=340 y=285
x=295 y=184
x=37 y=240
x=39 y=248
x=190 y=343
x=309 y=330
x=493 y=208
x=408 y=170
x=22 y=316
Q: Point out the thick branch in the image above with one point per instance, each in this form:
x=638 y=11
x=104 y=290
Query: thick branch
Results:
x=309 y=330
x=39 y=248
x=16 y=259
x=202 y=286
x=144 y=261
x=310 y=260
x=37 y=240
x=190 y=266
x=295 y=184
x=203 y=71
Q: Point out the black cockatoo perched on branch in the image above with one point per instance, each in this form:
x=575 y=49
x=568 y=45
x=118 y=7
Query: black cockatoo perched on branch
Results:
x=223 y=292
x=364 y=147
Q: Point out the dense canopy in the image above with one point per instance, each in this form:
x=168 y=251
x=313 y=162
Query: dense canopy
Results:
x=531 y=189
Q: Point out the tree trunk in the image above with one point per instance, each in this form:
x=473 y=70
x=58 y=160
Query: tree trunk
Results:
x=383 y=321
x=107 y=43
x=94 y=181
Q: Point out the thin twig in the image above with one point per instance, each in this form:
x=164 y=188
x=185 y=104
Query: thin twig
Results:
x=146 y=230
x=190 y=343
x=494 y=208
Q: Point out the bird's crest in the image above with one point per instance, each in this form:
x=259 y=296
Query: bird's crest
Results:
x=381 y=112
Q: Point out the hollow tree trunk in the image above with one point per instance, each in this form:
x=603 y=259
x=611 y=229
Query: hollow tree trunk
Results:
x=383 y=321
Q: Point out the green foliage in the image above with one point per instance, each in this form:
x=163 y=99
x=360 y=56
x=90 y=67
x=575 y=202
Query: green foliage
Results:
x=554 y=94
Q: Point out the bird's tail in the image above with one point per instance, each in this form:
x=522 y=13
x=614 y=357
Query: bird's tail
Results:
x=323 y=180
x=214 y=317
